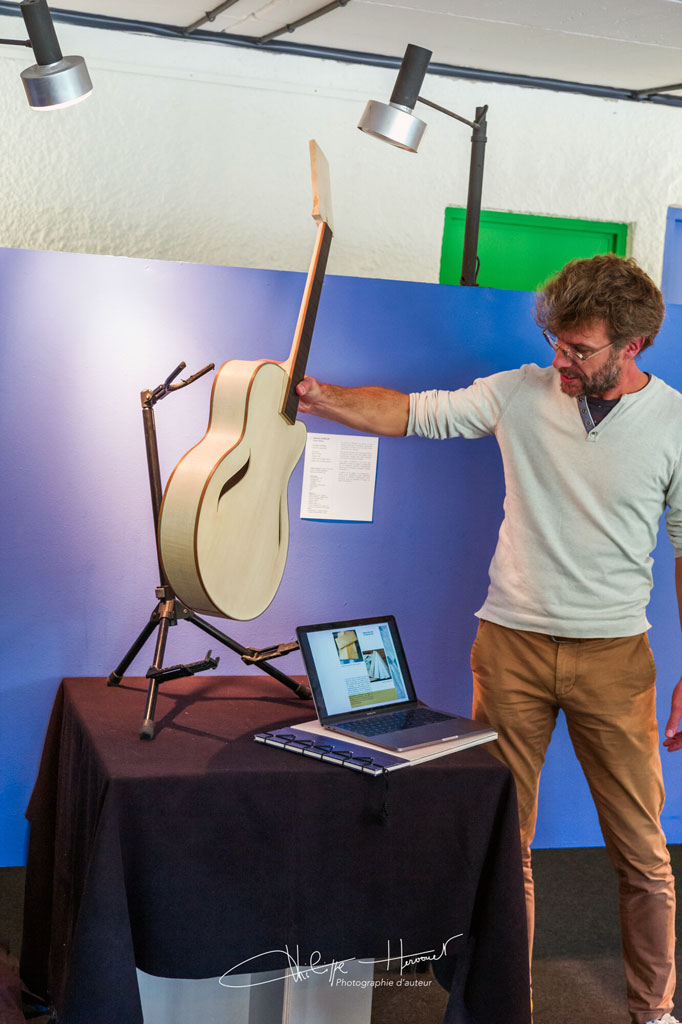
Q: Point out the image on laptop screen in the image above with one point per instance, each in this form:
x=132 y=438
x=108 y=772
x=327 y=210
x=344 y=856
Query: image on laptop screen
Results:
x=357 y=666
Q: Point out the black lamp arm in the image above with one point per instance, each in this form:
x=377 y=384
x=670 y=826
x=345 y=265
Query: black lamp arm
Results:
x=443 y=110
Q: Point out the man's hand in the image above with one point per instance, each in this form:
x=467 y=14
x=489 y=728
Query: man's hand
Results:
x=673 y=735
x=373 y=410
x=309 y=393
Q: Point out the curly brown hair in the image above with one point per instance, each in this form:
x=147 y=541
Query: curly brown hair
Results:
x=607 y=288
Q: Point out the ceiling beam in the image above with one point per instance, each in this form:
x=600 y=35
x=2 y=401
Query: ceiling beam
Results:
x=104 y=21
x=319 y=13
x=210 y=16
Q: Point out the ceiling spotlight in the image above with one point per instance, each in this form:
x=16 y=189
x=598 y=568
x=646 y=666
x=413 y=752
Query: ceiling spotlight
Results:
x=54 y=80
x=396 y=123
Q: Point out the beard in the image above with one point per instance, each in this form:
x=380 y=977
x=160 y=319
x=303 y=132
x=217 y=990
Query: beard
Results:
x=596 y=384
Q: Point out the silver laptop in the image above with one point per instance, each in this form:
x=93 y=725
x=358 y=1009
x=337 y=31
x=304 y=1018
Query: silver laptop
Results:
x=362 y=687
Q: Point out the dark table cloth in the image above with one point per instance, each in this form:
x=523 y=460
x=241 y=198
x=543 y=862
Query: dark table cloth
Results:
x=199 y=850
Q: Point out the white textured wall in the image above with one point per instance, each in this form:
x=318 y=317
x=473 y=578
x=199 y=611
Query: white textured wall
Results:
x=198 y=152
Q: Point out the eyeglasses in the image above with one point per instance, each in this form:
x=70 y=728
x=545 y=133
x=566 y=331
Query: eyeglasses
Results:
x=570 y=353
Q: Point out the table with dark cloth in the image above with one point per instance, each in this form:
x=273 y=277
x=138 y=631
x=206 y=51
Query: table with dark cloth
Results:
x=188 y=855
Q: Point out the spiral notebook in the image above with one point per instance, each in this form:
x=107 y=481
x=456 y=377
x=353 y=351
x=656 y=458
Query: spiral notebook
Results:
x=334 y=751
x=310 y=739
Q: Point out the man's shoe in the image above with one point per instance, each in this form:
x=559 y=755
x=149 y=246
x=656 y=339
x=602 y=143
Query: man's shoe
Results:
x=667 y=1018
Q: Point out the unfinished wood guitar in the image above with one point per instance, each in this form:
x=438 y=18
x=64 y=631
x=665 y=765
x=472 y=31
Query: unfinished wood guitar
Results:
x=224 y=522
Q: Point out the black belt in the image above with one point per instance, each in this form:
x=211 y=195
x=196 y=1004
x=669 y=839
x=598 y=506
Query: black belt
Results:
x=572 y=639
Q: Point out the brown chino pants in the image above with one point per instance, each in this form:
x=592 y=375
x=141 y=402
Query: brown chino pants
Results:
x=606 y=690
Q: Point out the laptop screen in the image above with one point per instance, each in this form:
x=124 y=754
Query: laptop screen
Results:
x=355 y=666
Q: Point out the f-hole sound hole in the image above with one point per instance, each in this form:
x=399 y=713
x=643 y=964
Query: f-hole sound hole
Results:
x=234 y=480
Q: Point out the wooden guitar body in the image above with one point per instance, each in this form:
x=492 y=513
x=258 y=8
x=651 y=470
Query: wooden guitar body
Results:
x=235 y=521
x=223 y=528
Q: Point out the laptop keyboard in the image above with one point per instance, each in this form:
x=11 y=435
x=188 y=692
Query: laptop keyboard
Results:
x=410 y=718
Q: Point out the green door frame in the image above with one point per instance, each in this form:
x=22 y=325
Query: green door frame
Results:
x=520 y=251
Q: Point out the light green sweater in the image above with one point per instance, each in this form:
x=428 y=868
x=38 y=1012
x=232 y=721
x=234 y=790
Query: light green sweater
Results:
x=581 y=511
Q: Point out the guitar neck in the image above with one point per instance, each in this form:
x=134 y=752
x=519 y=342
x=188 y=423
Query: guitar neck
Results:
x=295 y=365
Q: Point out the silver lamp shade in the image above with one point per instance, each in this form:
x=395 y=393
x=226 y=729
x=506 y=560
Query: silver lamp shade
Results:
x=60 y=84
x=393 y=123
x=54 y=80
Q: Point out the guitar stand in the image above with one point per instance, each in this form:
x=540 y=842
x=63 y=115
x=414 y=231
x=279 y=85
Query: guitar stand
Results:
x=169 y=609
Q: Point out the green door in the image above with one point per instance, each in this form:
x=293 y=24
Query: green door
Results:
x=520 y=251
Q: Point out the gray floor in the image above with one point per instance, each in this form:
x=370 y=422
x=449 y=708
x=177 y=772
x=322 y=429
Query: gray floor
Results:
x=577 y=969
x=577 y=972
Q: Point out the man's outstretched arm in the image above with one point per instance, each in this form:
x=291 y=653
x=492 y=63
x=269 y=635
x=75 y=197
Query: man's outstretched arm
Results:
x=373 y=410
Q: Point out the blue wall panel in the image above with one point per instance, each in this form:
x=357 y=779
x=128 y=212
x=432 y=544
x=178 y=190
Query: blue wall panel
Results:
x=81 y=336
x=671 y=284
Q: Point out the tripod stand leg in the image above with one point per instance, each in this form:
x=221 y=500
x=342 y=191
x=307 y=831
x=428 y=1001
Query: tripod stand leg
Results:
x=299 y=689
x=147 y=727
x=120 y=670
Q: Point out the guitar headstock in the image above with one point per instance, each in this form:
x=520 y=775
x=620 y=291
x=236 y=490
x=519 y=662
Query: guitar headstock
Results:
x=322 y=193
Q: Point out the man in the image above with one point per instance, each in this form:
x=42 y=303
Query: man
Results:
x=592 y=452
